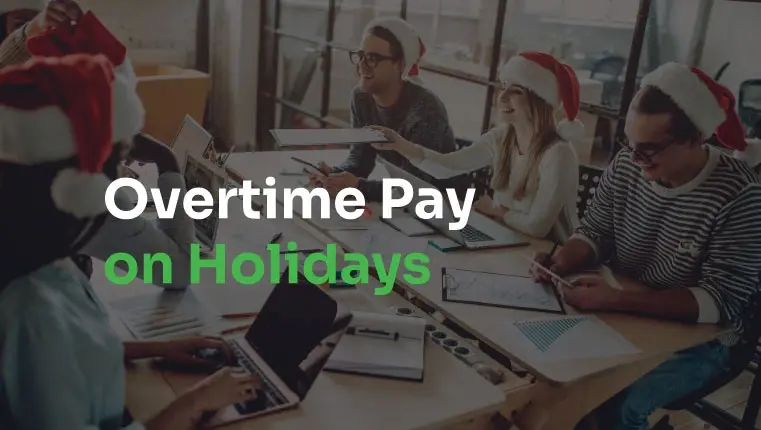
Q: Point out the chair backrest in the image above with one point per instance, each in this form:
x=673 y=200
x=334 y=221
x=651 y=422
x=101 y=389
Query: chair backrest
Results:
x=589 y=180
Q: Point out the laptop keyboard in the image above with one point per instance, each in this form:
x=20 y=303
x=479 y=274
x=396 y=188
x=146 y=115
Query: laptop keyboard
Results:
x=471 y=234
x=267 y=396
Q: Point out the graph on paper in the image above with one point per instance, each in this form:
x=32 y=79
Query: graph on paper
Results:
x=573 y=337
x=544 y=333
x=466 y=286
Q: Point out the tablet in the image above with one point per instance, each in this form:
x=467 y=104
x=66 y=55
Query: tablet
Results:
x=327 y=136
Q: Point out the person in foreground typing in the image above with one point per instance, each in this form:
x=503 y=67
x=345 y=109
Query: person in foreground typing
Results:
x=390 y=94
x=55 y=37
x=681 y=219
x=536 y=171
x=61 y=363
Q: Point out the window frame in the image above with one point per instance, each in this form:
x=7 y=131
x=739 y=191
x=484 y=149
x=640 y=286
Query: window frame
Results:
x=272 y=33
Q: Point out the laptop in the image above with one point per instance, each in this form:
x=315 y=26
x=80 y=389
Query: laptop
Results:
x=202 y=173
x=191 y=138
x=481 y=232
x=287 y=346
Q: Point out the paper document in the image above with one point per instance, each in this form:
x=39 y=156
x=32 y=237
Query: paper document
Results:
x=165 y=315
x=327 y=136
x=459 y=285
x=571 y=338
x=386 y=241
x=400 y=354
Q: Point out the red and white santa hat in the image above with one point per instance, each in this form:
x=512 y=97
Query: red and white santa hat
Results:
x=555 y=82
x=71 y=107
x=412 y=44
x=709 y=105
x=14 y=5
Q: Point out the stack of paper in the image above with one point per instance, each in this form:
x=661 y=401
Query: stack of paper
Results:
x=382 y=345
x=385 y=241
x=165 y=315
x=327 y=136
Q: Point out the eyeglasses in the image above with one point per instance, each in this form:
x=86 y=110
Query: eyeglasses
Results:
x=647 y=150
x=371 y=59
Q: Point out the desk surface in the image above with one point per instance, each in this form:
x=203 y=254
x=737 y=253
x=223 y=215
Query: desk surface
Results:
x=451 y=393
x=652 y=337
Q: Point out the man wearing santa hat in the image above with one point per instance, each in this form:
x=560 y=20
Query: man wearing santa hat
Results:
x=61 y=28
x=680 y=218
x=390 y=94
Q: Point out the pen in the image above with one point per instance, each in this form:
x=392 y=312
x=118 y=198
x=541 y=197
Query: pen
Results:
x=381 y=334
x=549 y=272
x=302 y=251
x=276 y=237
x=551 y=254
x=240 y=316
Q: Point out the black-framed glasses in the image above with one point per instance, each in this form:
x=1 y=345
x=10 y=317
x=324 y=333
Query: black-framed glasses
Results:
x=371 y=59
x=647 y=150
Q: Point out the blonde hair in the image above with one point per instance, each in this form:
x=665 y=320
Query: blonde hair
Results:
x=542 y=116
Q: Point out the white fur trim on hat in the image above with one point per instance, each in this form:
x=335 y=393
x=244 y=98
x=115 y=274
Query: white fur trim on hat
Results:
x=33 y=137
x=129 y=114
x=79 y=193
x=689 y=92
x=407 y=36
x=528 y=74
x=752 y=153
x=13 y=5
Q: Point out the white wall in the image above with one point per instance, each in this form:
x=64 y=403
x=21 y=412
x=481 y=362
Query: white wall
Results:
x=164 y=31
x=733 y=34
x=153 y=30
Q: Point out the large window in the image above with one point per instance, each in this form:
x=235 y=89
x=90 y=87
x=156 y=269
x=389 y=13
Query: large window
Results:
x=306 y=76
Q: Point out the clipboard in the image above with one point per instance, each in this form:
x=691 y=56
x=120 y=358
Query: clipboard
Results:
x=499 y=290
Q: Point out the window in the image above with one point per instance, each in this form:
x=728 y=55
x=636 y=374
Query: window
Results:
x=306 y=77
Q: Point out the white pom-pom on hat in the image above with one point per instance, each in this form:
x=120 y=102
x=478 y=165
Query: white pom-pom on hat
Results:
x=571 y=131
x=80 y=193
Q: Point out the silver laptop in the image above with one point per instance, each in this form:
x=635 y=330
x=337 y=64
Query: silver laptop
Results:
x=201 y=173
x=191 y=138
x=287 y=346
x=481 y=232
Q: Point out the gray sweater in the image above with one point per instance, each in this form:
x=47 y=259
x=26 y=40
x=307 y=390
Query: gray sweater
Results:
x=418 y=116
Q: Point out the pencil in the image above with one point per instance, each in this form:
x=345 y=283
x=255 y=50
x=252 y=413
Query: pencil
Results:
x=240 y=315
x=234 y=329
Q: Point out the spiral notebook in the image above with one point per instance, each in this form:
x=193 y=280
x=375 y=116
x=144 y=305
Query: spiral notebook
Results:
x=494 y=289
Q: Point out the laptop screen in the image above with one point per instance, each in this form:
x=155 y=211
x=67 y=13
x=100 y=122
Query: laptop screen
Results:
x=199 y=174
x=297 y=329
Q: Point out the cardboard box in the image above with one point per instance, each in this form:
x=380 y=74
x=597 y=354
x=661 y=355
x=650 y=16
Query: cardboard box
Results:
x=169 y=93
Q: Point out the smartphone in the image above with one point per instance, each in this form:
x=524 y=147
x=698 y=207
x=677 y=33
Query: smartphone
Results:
x=314 y=169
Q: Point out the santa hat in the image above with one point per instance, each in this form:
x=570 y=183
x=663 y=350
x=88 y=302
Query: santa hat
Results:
x=55 y=124
x=412 y=45
x=554 y=82
x=709 y=105
x=14 y=5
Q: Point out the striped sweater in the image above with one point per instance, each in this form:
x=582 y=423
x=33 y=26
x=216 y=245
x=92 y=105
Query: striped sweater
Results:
x=704 y=235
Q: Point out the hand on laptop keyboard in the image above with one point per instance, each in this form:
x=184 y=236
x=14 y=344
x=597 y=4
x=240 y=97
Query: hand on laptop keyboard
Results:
x=224 y=388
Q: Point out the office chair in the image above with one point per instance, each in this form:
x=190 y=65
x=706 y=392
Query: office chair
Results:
x=589 y=180
x=749 y=105
x=608 y=70
x=741 y=357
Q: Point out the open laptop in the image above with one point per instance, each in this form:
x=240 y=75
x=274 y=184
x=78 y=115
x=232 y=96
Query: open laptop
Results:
x=202 y=173
x=288 y=345
x=481 y=232
x=191 y=138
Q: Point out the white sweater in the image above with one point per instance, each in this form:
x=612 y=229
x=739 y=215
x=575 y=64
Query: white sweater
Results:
x=548 y=209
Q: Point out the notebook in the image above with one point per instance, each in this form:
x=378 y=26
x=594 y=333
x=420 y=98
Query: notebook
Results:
x=382 y=345
x=493 y=289
x=327 y=136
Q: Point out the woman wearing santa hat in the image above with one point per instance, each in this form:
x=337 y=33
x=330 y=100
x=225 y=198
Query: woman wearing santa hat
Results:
x=681 y=219
x=63 y=123
x=535 y=169
x=138 y=236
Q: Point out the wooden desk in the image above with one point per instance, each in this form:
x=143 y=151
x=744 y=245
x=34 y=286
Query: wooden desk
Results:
x=569 y=389
x=452 y=395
